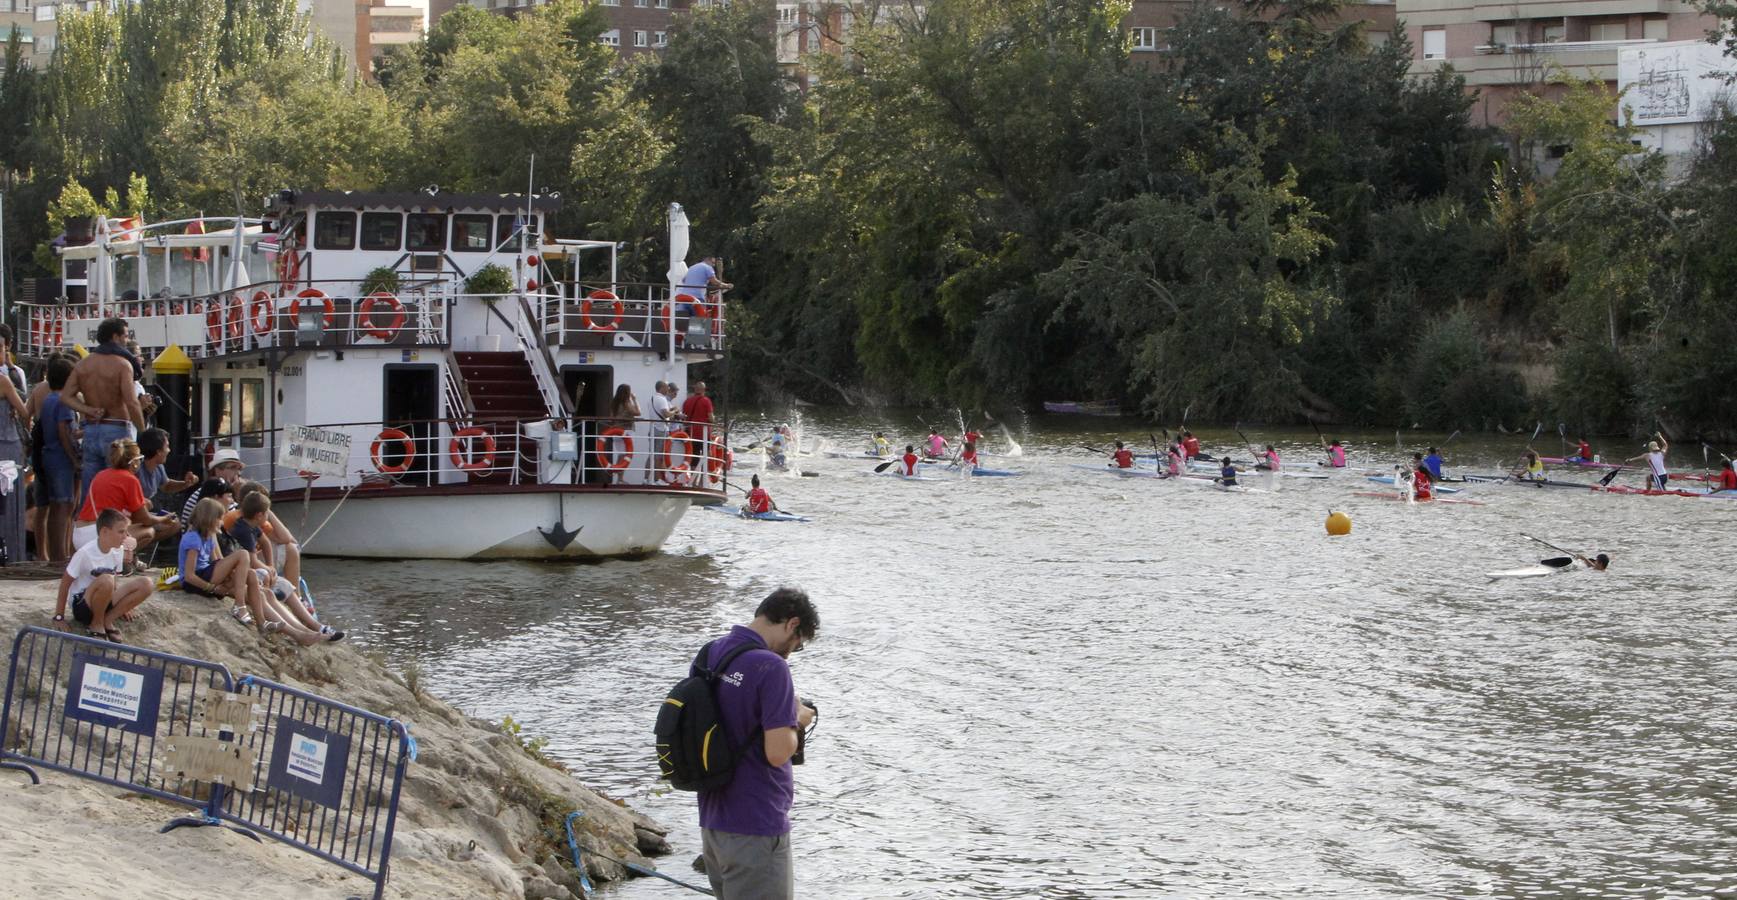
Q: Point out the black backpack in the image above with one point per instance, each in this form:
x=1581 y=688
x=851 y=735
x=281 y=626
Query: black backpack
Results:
x=693 y=751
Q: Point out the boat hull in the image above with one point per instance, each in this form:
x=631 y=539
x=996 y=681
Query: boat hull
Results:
x=475 y=525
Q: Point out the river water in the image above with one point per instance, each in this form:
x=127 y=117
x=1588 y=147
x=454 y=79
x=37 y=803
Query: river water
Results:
x=1071 y=684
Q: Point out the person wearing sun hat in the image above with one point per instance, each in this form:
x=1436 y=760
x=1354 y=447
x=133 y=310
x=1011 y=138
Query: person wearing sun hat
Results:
x=1655 y=458
x=225 y=465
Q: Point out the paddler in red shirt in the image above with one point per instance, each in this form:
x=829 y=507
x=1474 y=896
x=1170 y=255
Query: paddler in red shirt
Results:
x=968 y=456
x=759 y=501
x=1190 y=445
x=1421 y=487
x=1727 y=477
x=1123 y=458
x=1584 y=451
x=909 y=460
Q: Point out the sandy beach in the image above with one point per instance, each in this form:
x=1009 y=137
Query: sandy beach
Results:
x=477 y=816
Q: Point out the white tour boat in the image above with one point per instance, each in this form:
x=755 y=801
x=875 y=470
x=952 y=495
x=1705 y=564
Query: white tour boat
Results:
x=394 y=413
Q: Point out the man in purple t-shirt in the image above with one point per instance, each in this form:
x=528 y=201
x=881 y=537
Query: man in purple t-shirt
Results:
x=745 y=825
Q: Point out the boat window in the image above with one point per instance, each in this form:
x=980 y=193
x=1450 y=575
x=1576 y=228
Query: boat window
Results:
x=382 y=231
x=334 y=230
x=427 y=231
x=218 y=394
x=127 y=274
x=253 y=412
x=504 y=232
x=470 y=233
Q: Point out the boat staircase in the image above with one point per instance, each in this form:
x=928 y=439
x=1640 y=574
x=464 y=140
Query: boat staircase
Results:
x=501 y=386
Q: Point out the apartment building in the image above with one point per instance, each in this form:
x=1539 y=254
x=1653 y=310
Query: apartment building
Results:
x=18 y=15
x=1149 y=22
x=1508 y=48
x=363 y=29
x=636 y=26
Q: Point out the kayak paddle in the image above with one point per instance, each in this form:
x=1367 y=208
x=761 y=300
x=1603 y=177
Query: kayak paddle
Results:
x=884 y=466
x=1605 y=481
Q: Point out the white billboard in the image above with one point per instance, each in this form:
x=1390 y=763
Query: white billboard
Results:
x=1672 y=83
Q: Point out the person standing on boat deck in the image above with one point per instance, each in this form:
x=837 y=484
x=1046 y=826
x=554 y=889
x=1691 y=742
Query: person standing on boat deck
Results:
x=1336 y=455
x=624 y=410
x=660 y=410
x=103 y=389
x=697 y=412
x=701 y=284
x=1655 y=458
x=1123 y=458
x=1432 y=462
x=14 y=427
x=745 y=825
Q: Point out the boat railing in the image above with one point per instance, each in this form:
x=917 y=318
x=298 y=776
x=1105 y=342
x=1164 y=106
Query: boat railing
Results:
x=629 y=315
x=482 y=450
x=249 y=318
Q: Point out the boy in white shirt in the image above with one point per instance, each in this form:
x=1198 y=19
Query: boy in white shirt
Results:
x=98 y=594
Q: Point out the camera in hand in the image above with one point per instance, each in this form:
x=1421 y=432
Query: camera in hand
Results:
x=796 y=759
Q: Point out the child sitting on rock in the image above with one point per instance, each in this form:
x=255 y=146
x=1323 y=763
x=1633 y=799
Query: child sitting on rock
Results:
x=99 y=595
x=247 y=533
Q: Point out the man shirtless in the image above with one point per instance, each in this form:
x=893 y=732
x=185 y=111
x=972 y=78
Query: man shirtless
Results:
x=102 y=388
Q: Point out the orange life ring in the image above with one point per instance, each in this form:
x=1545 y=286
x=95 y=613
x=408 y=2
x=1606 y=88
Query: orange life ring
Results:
x=365 y=320
x=57 y=329
x=603 y=449
x=289 y=265
x=715 y=459
x=388 y=435
x=669 y=454
x=215 y=316
x=260 y=312
x=312 y=294
x=585 y=311
x=460 y=444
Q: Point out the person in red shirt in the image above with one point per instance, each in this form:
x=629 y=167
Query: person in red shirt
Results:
x=117 y=487
x=1727 y=478
x=1421 y=487
x=1584 y=451
x=1190 y=445
x=1123 y=458
x=909 y=461
x=697 y=412
x=968 y=456
x=759 y=501
x=971 y=436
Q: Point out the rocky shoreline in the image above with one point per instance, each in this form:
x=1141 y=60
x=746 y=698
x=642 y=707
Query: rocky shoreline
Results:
x=480 y=815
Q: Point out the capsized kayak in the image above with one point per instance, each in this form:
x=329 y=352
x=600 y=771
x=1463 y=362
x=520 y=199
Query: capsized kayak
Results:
x=1388 y=479
x=771 y=515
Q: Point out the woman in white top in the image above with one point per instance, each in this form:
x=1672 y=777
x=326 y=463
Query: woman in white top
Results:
x=1655 y=457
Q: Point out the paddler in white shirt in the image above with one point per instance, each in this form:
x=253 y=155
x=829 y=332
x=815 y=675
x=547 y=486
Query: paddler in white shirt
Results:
x=1655 y=459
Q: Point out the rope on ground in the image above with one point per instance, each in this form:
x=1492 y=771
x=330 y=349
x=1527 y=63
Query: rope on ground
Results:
x=573 y=847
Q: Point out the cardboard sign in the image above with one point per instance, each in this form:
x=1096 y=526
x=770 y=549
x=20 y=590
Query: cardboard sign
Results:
x=108 y=692
x=309 y=762
x=235 y=713
x=210 y=760
x=321 y=450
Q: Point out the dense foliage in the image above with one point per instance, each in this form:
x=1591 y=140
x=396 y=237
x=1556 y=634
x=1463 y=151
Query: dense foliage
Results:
x=983 y=203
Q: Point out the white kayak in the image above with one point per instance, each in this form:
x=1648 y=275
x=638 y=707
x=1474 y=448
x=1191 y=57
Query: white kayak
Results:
x=861 y=454
x=1112 y=470
x=1542 y=570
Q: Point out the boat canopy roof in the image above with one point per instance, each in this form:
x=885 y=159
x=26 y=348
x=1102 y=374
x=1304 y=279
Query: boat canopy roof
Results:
x=135 y=239
x=413 y=200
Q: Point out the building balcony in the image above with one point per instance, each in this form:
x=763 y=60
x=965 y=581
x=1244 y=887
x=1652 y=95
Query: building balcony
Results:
x=1561 y=48
x=1508 y=12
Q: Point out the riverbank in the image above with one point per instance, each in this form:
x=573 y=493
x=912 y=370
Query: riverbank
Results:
x=479 y=816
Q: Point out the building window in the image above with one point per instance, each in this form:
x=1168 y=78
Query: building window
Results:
x=660 y=39
x=1503 y=35
x=1435 y=43
x=611 y=38
x=1608 y=31
x=1655 y=29
x=507 y=236
x=639 y=3
x=1554 y=34
x=639 y=39
x=660 y=4
x=334 y=230
x=470 y=233
x=426 y=231
x=1378 y=38
x=786 y=15
x=1145 y=38
x=611 y=2
x=382 y=231
x=217 y=407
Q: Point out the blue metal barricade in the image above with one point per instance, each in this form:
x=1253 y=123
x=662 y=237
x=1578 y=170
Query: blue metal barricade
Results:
x=107 y=712
x=327 y=777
